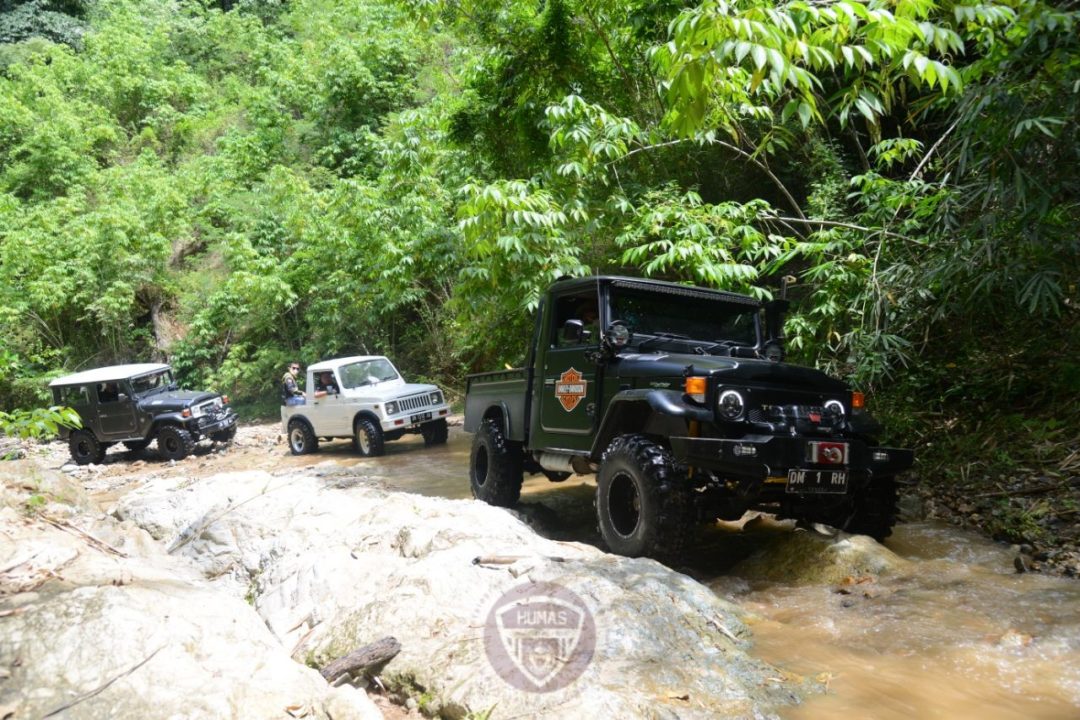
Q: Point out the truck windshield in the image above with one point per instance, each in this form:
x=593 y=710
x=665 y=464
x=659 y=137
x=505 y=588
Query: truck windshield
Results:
x=154 y=382
x=367 y=372
x=697 y=317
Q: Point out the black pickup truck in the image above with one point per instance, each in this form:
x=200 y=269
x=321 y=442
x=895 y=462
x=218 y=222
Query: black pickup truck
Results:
x=679 y=399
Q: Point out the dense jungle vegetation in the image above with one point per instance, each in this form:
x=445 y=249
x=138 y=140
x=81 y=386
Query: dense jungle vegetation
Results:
x=232 y=185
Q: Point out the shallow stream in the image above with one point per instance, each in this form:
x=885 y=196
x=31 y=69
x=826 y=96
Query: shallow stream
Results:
x=953 y=633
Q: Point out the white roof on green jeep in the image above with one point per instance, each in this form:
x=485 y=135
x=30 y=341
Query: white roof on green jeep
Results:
x=338 y=362
x=107 y=374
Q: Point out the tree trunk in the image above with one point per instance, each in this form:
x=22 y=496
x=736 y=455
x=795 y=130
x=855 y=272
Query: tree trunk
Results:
x=368 y=659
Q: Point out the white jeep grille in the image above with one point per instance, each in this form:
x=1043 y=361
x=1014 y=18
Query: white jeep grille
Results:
x=413 y=402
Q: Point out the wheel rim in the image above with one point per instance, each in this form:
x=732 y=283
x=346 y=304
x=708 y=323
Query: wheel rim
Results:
x=624 y=504
x=172 y=443
x=82 y=448
x=365 y=441
x=481 y=466
x=296 y=437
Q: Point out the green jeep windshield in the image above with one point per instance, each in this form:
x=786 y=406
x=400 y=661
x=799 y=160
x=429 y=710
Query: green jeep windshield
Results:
x=367 y=372
x=696 y=316
x=145 y=384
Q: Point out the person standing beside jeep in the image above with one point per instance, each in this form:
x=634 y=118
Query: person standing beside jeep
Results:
x=290 y=393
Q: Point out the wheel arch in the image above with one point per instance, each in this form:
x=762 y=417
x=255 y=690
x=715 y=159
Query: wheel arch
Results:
x=662 y=413
x=298 y=417
x=500 y=413
x=366 y=415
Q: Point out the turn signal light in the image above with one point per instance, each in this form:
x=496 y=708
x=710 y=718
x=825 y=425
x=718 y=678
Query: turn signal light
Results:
x=858 y=400
x=695 y=388
x=185 y=413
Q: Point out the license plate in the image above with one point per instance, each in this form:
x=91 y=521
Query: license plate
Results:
x=422 y=417
x=819 y=482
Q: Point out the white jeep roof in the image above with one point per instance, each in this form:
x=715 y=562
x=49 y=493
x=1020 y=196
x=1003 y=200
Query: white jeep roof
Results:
x=106 y=374
x=333 y=365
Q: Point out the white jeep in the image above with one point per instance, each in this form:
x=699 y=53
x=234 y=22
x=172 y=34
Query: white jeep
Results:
x=366 y=399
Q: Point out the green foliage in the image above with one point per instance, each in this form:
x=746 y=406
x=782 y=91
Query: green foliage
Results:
x=42 y=423
x=231 y=186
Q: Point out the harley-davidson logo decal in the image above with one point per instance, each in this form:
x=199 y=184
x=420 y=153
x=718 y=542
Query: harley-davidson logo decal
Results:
x=570 y=389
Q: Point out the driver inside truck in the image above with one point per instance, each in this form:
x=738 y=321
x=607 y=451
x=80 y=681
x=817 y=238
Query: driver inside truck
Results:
x=108 y=392
x=324 y=384
x=589 y=315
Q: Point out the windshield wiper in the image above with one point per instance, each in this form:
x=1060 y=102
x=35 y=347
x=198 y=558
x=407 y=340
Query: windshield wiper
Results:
x=661 y=337
x=719 y=345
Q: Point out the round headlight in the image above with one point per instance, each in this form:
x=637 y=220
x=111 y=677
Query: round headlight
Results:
x=730 y=405
x=436 y=398
x=617 y=335
x=835 y=407
x=773 y=351
x=391 y=408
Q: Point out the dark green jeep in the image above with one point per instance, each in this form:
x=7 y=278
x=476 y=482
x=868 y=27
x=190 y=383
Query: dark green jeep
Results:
x=135 y=405
x=679 y=399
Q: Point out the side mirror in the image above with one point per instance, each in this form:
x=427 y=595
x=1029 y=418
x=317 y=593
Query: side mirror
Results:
x=573 y=330
x=121 y=397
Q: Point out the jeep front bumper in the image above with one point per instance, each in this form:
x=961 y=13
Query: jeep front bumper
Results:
x=208 y=424
x=760 y=457
x=415 y=418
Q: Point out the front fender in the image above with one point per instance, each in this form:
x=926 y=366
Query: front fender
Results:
x=665 y=412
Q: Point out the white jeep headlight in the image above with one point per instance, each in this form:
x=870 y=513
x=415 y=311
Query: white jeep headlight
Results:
x=391 y=408
x=436 y=398
x=730 y=405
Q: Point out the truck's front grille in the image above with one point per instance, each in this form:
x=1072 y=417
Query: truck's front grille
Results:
x=414 y=402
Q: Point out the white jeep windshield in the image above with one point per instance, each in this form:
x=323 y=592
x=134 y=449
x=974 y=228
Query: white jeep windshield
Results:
x=367 y=372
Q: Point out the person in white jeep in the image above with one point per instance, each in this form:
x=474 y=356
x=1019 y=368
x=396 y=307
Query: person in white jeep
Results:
x=366 y=399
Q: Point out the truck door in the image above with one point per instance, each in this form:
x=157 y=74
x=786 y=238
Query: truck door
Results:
x=116 y=410
x=328 y=414
x=569 y=395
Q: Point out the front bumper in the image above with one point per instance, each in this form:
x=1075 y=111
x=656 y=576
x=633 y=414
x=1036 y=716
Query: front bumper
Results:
x=208 y=424
x=415 y=418
x=759 y=457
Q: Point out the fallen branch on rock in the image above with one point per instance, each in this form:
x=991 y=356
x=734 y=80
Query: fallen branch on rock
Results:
x=101 y=688
x=368 y=660
x=90 y=539
x=511 y=559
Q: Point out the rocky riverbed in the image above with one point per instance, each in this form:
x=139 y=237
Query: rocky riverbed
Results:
x=215 y=586
x=219 y=585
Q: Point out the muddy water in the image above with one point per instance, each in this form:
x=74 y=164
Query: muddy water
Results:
x=954 y=634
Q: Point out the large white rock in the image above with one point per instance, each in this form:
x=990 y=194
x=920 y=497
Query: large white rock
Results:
x=331 y=565
x=91 y=606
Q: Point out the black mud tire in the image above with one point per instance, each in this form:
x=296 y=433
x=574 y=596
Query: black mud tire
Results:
x=368 y=438
x=224 y=436
x=85 y=448
x=873 y=512
x=495 y=466
x=174 y=443
x=435 y=432
x=136 y=446
x=301 y=437
x=642 y=501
